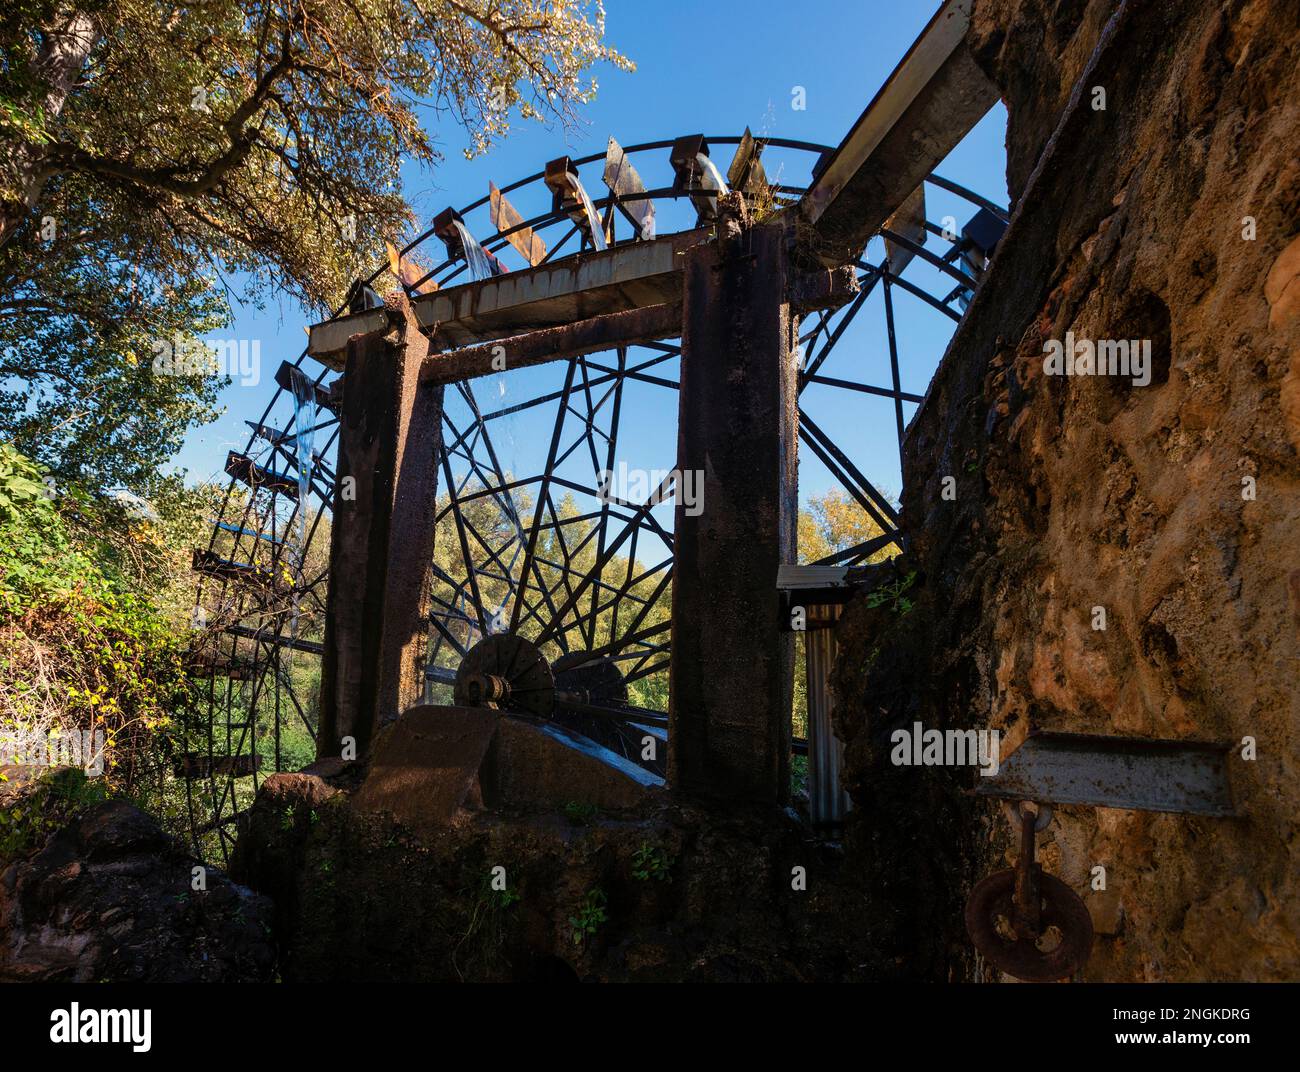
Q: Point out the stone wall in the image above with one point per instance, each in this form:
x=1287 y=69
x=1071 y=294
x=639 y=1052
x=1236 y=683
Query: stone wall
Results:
x=1083 y=492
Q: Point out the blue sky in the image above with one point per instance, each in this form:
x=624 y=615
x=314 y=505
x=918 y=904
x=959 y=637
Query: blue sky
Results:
x=702 y=68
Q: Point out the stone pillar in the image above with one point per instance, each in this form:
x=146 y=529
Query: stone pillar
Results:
x=732 y=666
x=381 y=545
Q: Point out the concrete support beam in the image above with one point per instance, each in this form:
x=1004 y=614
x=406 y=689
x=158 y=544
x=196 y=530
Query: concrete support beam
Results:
x=382 y=539
x=926 y=106
x=732 y=667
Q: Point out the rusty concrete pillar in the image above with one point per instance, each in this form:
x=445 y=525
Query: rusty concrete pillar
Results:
x=732 y=666
x=381 y=545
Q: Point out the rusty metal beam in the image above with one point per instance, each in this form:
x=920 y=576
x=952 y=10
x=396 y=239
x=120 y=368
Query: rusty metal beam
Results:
x=1189 y=777
x=927 y=105
x=626 y=328
x=631 y=276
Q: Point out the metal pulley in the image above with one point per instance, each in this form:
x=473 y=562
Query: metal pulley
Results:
x=506 y=672
x=1026 y=922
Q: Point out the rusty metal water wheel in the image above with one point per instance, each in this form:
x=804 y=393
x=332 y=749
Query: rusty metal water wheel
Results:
x=583 y=587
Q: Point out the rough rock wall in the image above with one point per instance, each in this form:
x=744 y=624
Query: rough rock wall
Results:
x=106 y=896
x=1083 y=492
x=664 y=892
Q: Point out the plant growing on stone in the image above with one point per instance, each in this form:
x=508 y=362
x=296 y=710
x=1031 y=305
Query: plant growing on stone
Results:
x=651 y=862
x=589 y=917
x=891 y=595
x=580 y=814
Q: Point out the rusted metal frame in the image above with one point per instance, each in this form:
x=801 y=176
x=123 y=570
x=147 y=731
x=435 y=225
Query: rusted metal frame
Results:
x=609 y=553
x=550 y=253
x=861 y=551
x=925 y=254
x=467 y=393
x=930 y=300
x=448 y=635
x=594 y=408
x=631 y=638
x=565 y=569
x=604 y=585
x=565 y=554
x=541 y=400
x=893 y=359
x=857 y=493
x=611 y=447
x=865 y=388
x=228 y=786
x=852 y=311
x=519 y=483
x=626 y=327
x=644 y=147
x=847 y=466
x=541 y=497
x=637 y=675
x=464 y=546
x=970 y=195
x=620 y=594
x=648 y=603
x=655 y=381
x=511 y=512
x=493 y=555
x=258 y=477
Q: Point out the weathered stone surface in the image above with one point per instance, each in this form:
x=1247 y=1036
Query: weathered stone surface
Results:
x=1084 y=492
x=425 y=768
x=109 y=898
x=667 y=892
x=528 y=768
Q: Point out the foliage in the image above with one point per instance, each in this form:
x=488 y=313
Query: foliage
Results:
x=589 y=917
x=79 y=318
x=580 y=814
x=158 y=157
x=274 y=131
x=78 y=651
x=834 y=522
x=651 y=862
x=58 y=796
x=891 y=596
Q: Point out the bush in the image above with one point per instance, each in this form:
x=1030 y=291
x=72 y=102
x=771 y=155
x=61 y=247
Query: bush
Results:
x=79 y=652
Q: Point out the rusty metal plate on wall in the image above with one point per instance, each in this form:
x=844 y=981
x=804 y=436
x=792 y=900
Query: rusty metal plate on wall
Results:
x=1189 y=777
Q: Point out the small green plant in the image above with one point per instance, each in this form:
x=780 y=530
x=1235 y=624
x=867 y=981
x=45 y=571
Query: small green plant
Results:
x=651 y=862
x=580 y=814
x=61 y=795
x=590 y=915
x=891 y=595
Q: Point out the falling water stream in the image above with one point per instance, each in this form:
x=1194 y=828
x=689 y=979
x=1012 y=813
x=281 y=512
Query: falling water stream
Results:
x=480 y=266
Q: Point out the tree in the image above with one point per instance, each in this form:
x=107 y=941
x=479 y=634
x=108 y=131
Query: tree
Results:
x=260 y=132
x=834 y=522
x=81 y=308
x=158 y=154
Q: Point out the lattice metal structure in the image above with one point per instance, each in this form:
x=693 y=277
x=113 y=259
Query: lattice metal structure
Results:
x=535 y=538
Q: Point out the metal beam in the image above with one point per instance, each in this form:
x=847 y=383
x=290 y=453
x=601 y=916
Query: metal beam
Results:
x=632 y=276
x=607 y=332
x=926 y=106
x=1189 y=777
